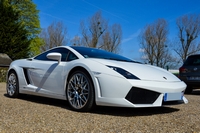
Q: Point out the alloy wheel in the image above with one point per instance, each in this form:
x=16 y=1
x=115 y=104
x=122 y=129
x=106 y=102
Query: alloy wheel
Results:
x=12 y=85
x=78 y=91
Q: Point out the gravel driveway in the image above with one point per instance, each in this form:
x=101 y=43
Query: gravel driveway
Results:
x=35 y=114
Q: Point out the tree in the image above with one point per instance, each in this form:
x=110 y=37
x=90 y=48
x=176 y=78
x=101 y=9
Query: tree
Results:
x=54 y=35
x=76 y=41
x=112 y=39
x=14 y=37
x=188 y=32
x=95 y=33
x=92 y=32
x=153 y=41
x=28 y=16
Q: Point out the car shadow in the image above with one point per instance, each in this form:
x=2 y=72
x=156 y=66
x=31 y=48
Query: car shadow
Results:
x=127 y=112
x=103 y=110
x=43 y=100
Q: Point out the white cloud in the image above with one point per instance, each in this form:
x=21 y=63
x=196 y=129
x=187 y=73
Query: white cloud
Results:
x=134 y=35
x=141 y=50
x=105 y=11
x=57 y=18
x=144 y=57
x=50 y=15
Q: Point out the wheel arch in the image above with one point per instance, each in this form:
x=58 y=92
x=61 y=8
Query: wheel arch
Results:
x=16 y=93
x=19 y=73
x=80 y=68
x=10 y=70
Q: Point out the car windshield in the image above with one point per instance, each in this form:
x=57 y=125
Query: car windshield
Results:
x=193 y=60
x=102 y=54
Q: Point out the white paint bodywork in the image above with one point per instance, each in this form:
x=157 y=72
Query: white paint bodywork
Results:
x=49 y=79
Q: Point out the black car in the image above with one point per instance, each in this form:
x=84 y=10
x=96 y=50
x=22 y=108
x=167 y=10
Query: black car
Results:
x=190 y=73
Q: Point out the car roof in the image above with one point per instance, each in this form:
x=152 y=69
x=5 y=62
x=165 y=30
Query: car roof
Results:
x=194 y=55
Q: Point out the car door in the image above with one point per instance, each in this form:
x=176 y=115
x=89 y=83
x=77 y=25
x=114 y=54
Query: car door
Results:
x=47 y=75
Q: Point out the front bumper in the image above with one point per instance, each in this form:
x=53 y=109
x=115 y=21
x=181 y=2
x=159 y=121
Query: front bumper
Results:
x=143 y=96
x=136 y=93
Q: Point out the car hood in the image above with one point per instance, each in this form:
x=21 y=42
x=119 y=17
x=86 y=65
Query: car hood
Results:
x=142 y=71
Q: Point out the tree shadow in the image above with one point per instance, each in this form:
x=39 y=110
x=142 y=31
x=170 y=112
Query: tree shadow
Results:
x=101 y=110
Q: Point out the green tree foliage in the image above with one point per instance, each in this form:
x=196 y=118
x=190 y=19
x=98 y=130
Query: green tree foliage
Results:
x=28 y=16
x=14 y=37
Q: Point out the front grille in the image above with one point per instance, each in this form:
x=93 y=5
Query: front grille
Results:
x=141 y=96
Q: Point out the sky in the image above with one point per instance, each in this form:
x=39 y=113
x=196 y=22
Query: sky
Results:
x=132 y=15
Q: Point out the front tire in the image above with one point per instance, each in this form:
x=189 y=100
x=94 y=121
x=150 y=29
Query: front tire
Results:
x=12 y=86
x=80 y=91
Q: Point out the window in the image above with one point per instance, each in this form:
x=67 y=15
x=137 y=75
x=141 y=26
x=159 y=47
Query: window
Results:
x=63 y=51
x=71 y=56
x=193 y=60
x=102 y=54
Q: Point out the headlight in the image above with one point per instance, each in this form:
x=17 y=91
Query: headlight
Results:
x=123 y=72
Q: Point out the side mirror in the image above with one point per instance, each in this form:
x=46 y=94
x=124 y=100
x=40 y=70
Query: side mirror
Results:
x=54 y=56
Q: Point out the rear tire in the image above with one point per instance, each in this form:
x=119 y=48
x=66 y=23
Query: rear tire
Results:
x=80 y=91
x=12 y=86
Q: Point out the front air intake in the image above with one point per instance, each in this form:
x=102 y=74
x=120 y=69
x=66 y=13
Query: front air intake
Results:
x=141 y=96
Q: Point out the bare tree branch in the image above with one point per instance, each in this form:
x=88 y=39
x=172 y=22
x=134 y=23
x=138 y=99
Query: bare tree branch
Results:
x=92 y=32
x=54 y=35
x=95 y=33
x=112 y=39
x=188 y=31
x=153 y=40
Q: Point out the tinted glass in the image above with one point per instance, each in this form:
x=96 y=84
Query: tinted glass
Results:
x=98 y=53
x=63 y=51
x=71 y=56
x=42 y=56
x=193 y=60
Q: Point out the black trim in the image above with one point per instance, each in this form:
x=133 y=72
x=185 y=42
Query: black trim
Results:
x=26 y=75
x=141 y=96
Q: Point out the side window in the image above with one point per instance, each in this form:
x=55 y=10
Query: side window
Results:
x=71 y=56
x=196 y=62
x=42 y=56
x=63 y=51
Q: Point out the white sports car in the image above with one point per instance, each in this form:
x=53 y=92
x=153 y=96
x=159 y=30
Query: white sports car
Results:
x=86 y=77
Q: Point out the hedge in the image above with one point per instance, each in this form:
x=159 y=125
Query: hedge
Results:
x=3 y=72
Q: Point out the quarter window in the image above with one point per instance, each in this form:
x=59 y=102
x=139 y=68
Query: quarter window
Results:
x=71 y=56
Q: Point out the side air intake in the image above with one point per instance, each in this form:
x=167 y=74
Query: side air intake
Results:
x=26 y=75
